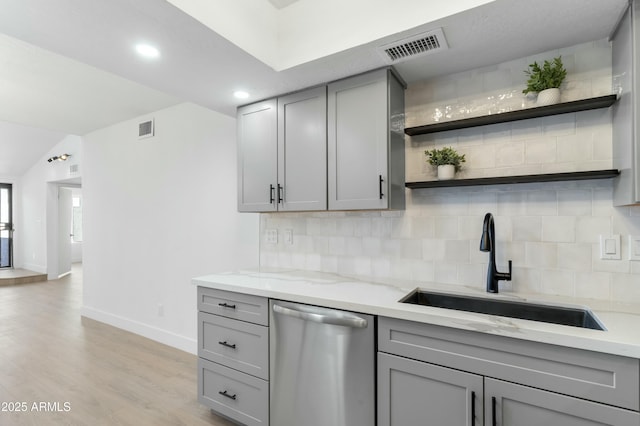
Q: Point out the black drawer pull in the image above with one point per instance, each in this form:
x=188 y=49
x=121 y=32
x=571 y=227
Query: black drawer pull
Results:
x=380 y=180
x=228 y=345
x=224 y=393
x=226 y=305
x=271 y=194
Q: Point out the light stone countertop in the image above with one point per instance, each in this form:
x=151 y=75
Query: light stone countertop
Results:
x=622 y=321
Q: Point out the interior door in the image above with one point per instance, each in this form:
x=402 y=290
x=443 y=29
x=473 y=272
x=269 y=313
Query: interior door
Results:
x=6 y=226
x=65 y=207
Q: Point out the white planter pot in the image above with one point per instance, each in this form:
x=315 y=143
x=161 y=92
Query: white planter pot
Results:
x=446 y=172
x=548 y=97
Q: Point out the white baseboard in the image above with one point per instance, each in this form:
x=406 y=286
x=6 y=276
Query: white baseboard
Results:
x=35 y=268
x=159 y=335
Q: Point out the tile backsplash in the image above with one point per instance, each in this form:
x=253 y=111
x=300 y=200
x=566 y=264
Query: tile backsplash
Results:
x=550 y=231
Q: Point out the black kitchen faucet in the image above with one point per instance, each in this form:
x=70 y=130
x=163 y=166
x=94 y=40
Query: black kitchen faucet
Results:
x=488 y=243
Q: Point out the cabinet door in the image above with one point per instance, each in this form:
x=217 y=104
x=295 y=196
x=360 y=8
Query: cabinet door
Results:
x=358 y=142
x=257 y=157
x=508 y=404
x=302 y=150
x=417 y=393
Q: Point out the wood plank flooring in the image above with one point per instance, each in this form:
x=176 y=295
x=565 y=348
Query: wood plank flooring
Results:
x=62 y=369
x=10 y=276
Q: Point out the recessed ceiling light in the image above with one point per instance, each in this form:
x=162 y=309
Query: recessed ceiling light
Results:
x=241 y=94
x=147 y=51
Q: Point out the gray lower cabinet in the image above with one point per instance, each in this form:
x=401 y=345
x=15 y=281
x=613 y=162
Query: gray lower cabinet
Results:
x=366 y=142
x=416 y=393
x=510 y=404
x=435 y=375
x=233 y=355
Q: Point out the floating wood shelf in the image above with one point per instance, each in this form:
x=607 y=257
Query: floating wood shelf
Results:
x=542 y=111
x=503 y=180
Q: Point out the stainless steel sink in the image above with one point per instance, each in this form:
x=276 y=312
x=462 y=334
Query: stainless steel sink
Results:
x=574 y=317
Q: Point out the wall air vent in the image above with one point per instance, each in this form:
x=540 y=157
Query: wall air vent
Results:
x=145 y=129
x=73 y=169
x=414 y=46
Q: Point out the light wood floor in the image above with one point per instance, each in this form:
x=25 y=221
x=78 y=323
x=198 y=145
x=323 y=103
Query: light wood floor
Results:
x=107 y=376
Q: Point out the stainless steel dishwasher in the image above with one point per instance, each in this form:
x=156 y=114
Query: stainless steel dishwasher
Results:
x=322 y=366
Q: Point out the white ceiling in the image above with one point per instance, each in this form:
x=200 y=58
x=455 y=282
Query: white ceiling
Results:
x=69 y=65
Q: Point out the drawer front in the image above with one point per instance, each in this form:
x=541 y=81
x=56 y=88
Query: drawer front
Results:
x=244 y=307
x=233 y=394
x=595 y=376
x=236 y=344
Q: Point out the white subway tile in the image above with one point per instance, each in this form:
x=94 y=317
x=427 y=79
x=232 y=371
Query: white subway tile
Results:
x=526 y=228
x=543 y=203
x=446 y=227
x=589 y=229
x=559 y=229
x=539 y=151
x=575 y=202
x=576 y=257
x=446 y=272
x=625 y=288
x=541 y=255
x=593 y=285
x=558 y=282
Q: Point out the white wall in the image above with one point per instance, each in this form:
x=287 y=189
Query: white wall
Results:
x=550 y=231
x=158 y=212
x=31 y=195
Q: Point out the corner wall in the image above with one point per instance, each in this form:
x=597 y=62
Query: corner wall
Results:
x=158 y=212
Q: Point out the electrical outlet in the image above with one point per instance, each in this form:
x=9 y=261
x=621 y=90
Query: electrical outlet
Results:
x=634 y=247
x=610 y=247
x=271 y=236
x=288 y=236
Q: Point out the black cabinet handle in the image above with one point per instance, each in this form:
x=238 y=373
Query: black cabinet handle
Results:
x=224 y=393
x=228 y=345
x=226 y=305
x=271 y=199
x=494 y=422
x=279 y=193
x=380 y=180
x=473 y=409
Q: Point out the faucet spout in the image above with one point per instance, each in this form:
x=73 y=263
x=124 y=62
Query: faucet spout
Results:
x=487 y=244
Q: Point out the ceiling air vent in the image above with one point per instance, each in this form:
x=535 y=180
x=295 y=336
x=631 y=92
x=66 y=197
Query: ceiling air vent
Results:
x=145 y=129
x=414 y=46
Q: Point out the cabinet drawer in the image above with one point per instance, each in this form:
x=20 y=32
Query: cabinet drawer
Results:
x=244 y=307
x=236 y=344
x=595 y=376
x=233 y=394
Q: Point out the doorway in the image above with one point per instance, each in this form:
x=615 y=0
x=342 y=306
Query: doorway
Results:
x=6 y=226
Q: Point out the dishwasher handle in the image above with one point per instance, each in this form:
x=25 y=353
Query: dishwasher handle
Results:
x=331 y=317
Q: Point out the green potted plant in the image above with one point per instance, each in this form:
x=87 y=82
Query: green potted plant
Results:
x=447 y=160
x=545 y=80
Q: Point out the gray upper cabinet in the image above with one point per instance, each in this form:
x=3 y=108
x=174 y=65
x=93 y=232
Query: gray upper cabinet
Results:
x=302 y=150
x=257 y=156
x=366 y=142
x=626 y=133
x=282 y=153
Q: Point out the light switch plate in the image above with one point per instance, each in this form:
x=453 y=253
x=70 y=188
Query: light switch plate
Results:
x=634 y=247
x=288 y=236
x=610 y=247
x=271 y=236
